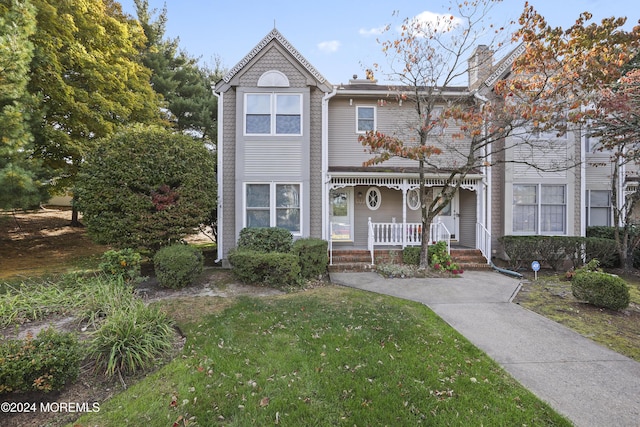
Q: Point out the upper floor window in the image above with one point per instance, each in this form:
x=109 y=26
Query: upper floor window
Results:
x=273 y=114
x=366 y=119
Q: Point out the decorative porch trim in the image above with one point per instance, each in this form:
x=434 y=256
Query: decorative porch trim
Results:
x=398 y=183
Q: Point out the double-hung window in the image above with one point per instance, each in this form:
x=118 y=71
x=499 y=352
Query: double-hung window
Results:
x=599 y=207
x=273 y=205
x=365 y=119
x=539 y=209
x=273 y=114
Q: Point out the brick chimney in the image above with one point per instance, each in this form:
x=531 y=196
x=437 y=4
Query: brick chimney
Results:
x=480 y=65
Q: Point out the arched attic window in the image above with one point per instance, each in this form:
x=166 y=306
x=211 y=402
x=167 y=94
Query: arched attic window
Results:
x=273 y=78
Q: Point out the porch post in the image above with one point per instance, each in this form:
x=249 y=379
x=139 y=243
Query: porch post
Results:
x=404 y=212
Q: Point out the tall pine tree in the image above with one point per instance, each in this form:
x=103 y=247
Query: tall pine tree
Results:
x=21 y=183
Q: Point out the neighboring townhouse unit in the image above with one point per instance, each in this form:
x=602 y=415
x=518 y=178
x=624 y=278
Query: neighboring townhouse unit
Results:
x=289 y=156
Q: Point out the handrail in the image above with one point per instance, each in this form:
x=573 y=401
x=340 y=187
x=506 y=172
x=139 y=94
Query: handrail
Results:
x=483 y=241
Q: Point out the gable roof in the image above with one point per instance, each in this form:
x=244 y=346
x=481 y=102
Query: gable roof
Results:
x=503 y=66
x=275 y=35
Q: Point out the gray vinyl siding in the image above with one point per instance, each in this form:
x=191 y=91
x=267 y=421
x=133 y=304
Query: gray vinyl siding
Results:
x=390 y=208
x=277 y=158
x=391 y=119
x=598 y=171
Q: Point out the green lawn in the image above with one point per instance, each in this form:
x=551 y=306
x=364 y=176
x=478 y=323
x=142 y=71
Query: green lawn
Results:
x=329 y=356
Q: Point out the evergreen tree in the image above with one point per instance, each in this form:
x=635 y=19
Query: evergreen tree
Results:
x=21 y=185
x=190 y=105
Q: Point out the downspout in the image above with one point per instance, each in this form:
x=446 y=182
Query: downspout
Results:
x=220 y=150
x=583 y=186
x=325 y=162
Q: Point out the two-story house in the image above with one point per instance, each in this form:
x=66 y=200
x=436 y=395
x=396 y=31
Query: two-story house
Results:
x=289 y=156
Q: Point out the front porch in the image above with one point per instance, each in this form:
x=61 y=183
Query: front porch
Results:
x=380 y=215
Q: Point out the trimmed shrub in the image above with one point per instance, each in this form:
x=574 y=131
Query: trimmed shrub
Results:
x=131 y=339
x=274 y=269
x=177 y=266
x=45 y=363
x=604 y=250
x=124 y=263
x=411 y=255
x=265 y=239
x=600 y=289
x=312 y=256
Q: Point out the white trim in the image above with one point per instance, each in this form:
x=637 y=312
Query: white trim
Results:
x=367 y=200
x=375 y=118
x=273 y=78
x=325 y=163
x=274 y=34
x=273 y=209
x=220 y=154
x=273 y=113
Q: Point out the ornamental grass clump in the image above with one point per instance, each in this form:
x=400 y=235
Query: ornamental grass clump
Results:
x=131 y=339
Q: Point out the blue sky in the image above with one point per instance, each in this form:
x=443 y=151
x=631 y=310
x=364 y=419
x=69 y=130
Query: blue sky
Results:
x=337 y=37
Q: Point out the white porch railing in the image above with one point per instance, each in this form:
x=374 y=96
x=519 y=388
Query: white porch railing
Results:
x=483 y=241
x=404 y=234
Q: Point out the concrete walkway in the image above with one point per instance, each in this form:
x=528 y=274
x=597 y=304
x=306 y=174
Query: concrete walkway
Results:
x=586 y=382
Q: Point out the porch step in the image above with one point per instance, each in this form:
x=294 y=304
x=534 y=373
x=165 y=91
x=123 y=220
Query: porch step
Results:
x=470 y=259
x=355 y=260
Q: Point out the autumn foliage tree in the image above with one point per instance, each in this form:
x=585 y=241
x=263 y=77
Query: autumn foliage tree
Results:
x=580 y=72
x=545 y=91
x=426 y=60
x=617 y=126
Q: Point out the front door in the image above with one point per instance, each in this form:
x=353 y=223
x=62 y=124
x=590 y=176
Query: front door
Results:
x=449 y=216
x=342 y=214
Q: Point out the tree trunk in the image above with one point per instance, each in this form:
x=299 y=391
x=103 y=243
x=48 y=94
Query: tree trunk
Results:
x=75 y=221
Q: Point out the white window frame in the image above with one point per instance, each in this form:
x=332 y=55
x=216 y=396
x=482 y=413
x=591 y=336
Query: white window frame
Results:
x=375 y=118
x=413 y=195
x=378 y=198
x=608 y=208
x=539 y=219
x=273 y=113
x=273 y=208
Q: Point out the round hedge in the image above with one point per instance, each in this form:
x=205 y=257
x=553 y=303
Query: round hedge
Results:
x=177 y=266
x=601 y=289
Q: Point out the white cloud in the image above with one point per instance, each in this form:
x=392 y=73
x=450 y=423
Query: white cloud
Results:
x=372 y=31
x=329 y=46
x=439 y=21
